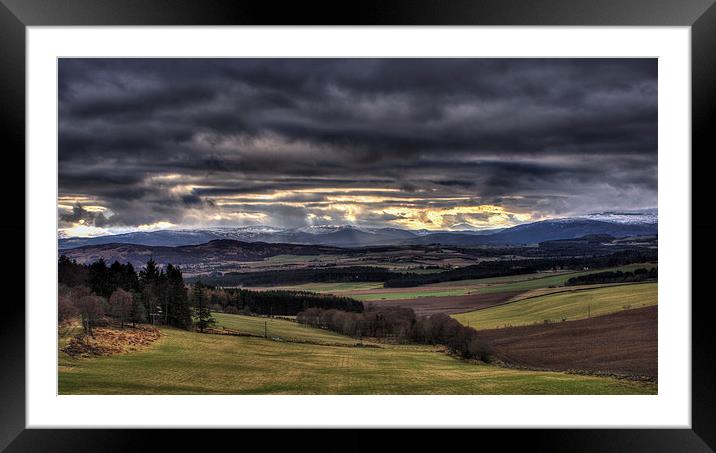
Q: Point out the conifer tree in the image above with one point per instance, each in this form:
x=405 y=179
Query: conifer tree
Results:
x=100 y=278
x=149 y=282
x=177 y=306
x=202 y=314
x=137 y=314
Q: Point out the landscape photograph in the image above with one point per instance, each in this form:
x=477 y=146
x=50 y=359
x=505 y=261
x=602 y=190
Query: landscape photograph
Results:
x=357 y=226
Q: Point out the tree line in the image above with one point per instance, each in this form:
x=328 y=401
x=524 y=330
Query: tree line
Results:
x=275 y=302
x=501 y=268
x=485 y=269
x=299 y=276
x=400 y=324
x=157 y=295
x=639 y=275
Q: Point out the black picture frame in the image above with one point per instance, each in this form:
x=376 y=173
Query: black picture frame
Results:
x=16 y=15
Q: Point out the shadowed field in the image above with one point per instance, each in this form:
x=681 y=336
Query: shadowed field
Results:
x=623 y=342
x=449 y=305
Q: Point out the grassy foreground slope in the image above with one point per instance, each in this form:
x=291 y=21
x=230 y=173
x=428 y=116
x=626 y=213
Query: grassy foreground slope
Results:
x=191 y=363
x=577 y=304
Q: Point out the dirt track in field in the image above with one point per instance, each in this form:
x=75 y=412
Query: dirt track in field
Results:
x=538 y=292
x=620 y=343
x=448 y=304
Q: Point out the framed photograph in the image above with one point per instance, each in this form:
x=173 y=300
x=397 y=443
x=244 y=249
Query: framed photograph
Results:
x=411 y=216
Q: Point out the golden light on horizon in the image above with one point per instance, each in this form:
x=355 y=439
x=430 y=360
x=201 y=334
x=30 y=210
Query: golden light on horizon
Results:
x=367 y=206
x=488 y=216
x=367 y=199
x=281 y=194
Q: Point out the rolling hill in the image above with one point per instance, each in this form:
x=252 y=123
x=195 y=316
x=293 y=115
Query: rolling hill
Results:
x=546 y=230
x=219 y=250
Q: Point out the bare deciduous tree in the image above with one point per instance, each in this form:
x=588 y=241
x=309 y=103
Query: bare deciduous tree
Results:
x=65 y=309
x=90 y=310
x=120 y=306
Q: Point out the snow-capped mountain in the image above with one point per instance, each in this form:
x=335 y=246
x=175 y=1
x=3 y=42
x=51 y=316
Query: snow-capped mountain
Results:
x=617 y=224
x=324 y=229
x=336 y=235
x=645 y=216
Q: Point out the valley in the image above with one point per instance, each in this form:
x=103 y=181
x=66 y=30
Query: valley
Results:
x=545 y=334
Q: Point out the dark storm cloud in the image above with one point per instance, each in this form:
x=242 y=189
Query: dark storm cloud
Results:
x=79 y=214
x=166 y=139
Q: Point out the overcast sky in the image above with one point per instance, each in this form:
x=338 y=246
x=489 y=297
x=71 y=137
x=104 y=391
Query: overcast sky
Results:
x=408 y=143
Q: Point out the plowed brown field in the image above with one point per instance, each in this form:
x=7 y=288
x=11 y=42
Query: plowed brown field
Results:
x=448 y=304
x=621 y=343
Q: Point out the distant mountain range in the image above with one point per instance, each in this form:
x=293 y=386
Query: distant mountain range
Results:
x=645 y=216
x=617 y=224
x=224 y=251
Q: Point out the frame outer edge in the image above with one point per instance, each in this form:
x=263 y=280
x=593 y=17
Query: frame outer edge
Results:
x=368 y=12
x=703 y=105
x=12 y=91
x=12 y=332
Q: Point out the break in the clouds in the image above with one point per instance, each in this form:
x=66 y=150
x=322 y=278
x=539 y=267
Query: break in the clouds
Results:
x=410 y=143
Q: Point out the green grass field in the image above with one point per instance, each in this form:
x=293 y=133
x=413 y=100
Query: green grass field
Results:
x=286 y=330
x=412 y=293
x=526 y=285
x=572 y=305
x=192 y=363
x=497 y=280
x=528 y=282
x=65 y=334
x=509 y=283
x=325 y=287
x=524 y=282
